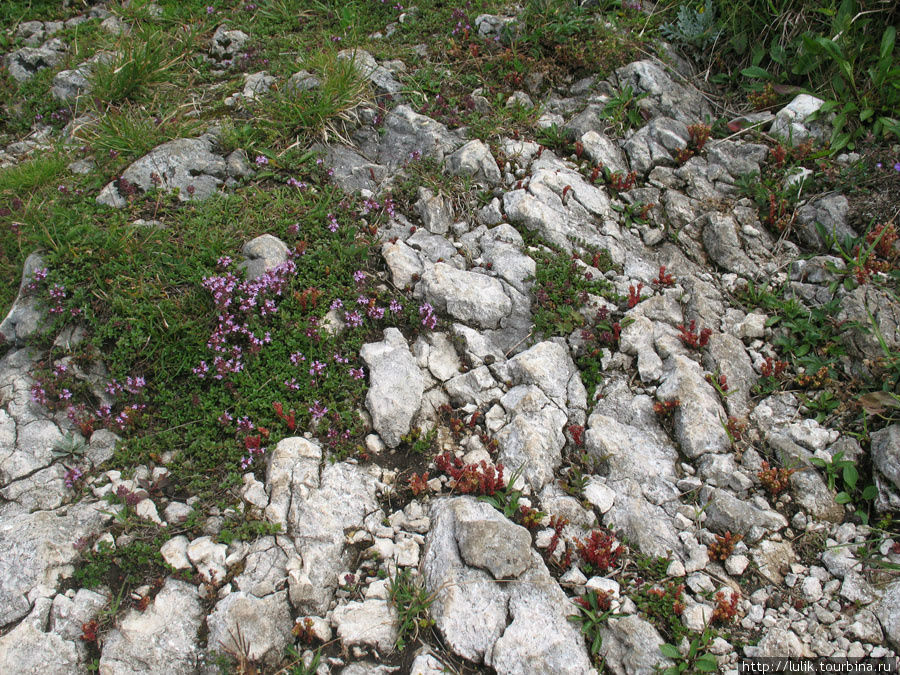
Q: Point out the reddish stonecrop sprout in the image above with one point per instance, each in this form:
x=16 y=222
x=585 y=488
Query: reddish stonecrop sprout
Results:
x=723 y=546
x=634 y=295
x=691 y=338
x=776 y=480
x=477 y=479
x=772 y=367
x=418 y=484
x=664 y=279
x=726 y=607
x=600 y=551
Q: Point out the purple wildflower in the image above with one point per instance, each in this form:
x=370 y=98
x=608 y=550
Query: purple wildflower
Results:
x=72 y=476
x=317 y=410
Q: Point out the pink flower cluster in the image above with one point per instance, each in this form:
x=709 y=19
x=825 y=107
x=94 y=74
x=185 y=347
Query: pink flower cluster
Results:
x=238 y=301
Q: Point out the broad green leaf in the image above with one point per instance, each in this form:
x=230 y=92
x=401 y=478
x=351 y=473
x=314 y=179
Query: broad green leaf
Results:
x=887 y=42
x=839 y=141
x=866 y=114
x=869 y=493
x=756 y=71
x=842 y=498
x=851 y=475
x=778 y=53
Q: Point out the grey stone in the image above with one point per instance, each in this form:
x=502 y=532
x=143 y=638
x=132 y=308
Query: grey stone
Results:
x=302 y=81
x=161 y=639
x=478 y=348
x=637 y=339
x=23 y=63
x=403 y=263
x=779 y=641
x=866 y=627
x=469 y=609
x=540 y=638
x=475 y=160
x=434 y=210
x=603 y=151
x=352 y=171
x=265 y=566
x=293 y=468
x=208 y=557
x=631 y=512
x=237 y=164
x=476 y=386
x=115 y=26
x=738 y=159
x=725 y=512
x=226 y=44
x=656 y=144
x=320 y=511
x=829 y=211
x=491 y=24
x=68 y=615
x=774 y=558
x=533 y=439
x=489 y=541
x=372 y=623
x=263 y=253
x=886 y=452
x=546 y=365
x=888 y=612
x=32 y=650
x=664 y=95
x=259 y=628
x=510 y=264
x=726 y=355
x=809 y=488
x=723 y=246
x=38 y=548
x=256 y=84
x=69 y=84
x=791 y=121
x=25 y=316
x=43 y=490
x=863 y=309
x=466 y=296
x=395 y=386
x=186 y=164
x=631 y=647
x=174 y=552
x=697 y=417
x=382 y=79
x=408 y=133
x=628 y=451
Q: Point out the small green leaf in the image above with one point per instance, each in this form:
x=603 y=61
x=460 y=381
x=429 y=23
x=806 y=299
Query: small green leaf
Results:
x=706 y=664
x=870 y=492
x=843 y=498
x=670 y=651
x=866 y=114
x=777 y=53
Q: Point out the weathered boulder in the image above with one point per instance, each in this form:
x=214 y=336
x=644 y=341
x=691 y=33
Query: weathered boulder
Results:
x=395 y=386
x=161 y=639
x=258 y=628
x=186 y=164
x=469 y=297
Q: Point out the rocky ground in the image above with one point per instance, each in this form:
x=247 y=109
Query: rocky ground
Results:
x=632 y=346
